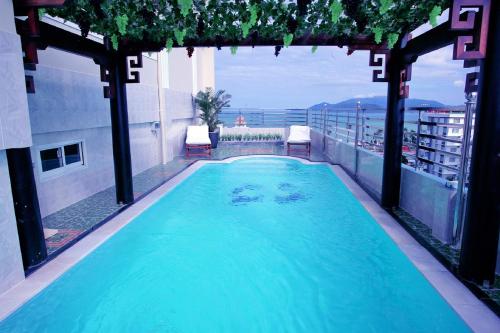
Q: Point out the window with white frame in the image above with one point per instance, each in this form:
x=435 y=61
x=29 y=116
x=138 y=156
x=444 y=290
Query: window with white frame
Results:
x=56 y=159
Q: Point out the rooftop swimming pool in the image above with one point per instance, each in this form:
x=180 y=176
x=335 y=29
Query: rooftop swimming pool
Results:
x=256 y=245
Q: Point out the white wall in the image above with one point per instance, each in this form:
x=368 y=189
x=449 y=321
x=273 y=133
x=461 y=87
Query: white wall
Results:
x=180 y=71
x=184 y=78
x=178 y=114
x=205 y=66
x=69 y=106
x=11 y=265
x=14 y=123
x=15 y=132
x=191 y=74
x=98 y=174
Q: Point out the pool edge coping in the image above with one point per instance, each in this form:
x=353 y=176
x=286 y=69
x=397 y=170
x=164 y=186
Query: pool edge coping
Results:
x=474 y=312
x=477 y=315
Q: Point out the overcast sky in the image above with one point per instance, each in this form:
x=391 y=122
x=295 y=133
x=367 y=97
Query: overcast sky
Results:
x=299 y=78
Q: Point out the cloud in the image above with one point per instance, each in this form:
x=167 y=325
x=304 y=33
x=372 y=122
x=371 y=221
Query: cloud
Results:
x=459 y=83
x=426 y=27
x=298 y=78
x=366 y=95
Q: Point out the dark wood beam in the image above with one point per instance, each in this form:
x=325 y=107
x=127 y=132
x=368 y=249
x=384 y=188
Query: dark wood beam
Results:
x=430 y=41
x=38 y=3
x=359 y=42
x=52 y=36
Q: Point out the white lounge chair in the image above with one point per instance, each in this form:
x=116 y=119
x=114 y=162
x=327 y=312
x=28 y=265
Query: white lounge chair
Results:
x=299 y=136
x=197 y=138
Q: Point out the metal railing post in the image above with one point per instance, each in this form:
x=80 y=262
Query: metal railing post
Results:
x=323 y=114
x=363 y=128
x=324 y=128
x=417 y=150
x=470 y=106
x=336 y=123
x=347 y=125
x=356 y=139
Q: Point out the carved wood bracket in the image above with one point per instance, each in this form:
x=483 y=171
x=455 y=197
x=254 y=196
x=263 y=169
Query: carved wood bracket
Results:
x=471 y=45
x=380 y=58
x=133 y=61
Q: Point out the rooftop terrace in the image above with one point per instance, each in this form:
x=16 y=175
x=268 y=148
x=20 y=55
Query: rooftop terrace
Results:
x=93 y=131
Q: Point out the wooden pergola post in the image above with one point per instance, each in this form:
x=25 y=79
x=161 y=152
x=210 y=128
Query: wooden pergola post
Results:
x=26 y=206
x=394 y=128
x=117 y=93
x=482 y=219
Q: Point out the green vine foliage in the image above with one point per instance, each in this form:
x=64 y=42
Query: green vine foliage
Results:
x=392 y=39
x=121 y=23
x=186 y=6
x=169 y=44
x=287 y=40
x=378 y=32
x=191 y=22
x=435 y=12
x=336 y=10
x=385 y=5
x=179 y=36
x=114 y=41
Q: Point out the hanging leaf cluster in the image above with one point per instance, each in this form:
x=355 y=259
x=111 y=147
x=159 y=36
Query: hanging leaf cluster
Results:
x=172 y=23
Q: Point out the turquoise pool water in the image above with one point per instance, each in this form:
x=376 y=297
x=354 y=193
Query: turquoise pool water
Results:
x=258 y=245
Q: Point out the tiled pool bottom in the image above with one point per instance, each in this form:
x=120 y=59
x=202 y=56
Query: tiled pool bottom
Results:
x=67 y=224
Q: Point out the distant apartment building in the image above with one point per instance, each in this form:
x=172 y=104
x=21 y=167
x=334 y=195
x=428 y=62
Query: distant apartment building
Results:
x=441 y=131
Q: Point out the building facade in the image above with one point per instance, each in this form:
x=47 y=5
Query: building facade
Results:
x=444 y=136
x=67 y=124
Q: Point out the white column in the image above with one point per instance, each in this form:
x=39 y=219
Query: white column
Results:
x=15 y=132
x=11 y=263
x=194 y=64
x=163 y=83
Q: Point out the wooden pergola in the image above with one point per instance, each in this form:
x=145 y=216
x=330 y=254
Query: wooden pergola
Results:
x=475 y=34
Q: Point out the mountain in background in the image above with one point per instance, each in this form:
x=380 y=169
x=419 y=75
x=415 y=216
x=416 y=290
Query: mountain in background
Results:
x=376 y=102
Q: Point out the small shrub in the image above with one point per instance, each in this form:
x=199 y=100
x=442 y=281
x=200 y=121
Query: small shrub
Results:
x=251 y=137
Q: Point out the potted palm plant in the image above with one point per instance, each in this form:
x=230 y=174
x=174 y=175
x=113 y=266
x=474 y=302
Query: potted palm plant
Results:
x=210 y=104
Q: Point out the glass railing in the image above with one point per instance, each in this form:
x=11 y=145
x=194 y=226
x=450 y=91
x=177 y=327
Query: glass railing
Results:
x=436 y=152
x=263 y=118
